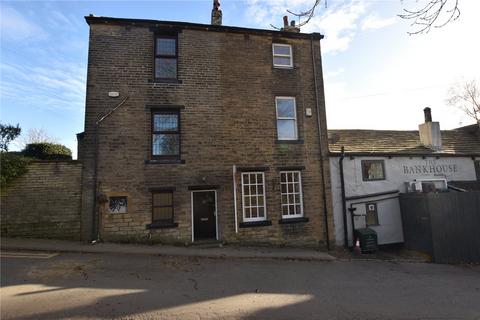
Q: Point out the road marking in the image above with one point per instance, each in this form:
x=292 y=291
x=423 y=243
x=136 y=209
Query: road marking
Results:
x=27 y=255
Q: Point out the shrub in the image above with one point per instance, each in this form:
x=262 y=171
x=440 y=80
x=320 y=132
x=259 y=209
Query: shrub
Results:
x=47 y=151
x=13 y=165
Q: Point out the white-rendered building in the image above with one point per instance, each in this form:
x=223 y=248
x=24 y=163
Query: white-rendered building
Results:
x=380 y=164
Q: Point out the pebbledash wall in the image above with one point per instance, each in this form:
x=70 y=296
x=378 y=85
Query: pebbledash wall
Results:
x=225 y=94
x=44 y=202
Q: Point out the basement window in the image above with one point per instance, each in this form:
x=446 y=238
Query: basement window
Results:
x=162 y=208
x=282 y=55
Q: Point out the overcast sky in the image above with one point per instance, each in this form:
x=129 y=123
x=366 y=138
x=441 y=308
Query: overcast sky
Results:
x=376 y=75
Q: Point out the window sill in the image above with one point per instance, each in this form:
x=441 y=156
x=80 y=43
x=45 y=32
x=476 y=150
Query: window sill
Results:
x=174 y=161
x=162 y=225
x=255 y=224
x=289 y=141
x=166 y=81
x=283 y=67
x=293 y=220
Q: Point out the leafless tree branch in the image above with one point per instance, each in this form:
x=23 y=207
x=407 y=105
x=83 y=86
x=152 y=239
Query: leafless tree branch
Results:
x=428 y=16
x=435 y=13
x=466 y=97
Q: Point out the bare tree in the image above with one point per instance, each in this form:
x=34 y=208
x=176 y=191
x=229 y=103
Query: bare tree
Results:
x=466 y=96
x=433 y=13
x=35 y=135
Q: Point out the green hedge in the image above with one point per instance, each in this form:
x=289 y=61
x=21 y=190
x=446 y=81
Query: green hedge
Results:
x=12 y=165
x=47 y=151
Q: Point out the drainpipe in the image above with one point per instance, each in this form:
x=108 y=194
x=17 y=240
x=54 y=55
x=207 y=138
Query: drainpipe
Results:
x=324 y=192
x=344 y=203
x=95 y=215
x=234 y=172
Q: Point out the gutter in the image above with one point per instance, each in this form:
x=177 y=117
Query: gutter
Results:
x=234 y=173
x=178 y=25
x=324 y=194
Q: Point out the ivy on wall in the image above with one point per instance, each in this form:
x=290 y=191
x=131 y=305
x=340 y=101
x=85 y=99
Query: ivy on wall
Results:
x=12 y=165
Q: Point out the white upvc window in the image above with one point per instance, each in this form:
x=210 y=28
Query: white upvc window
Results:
x=286 y=118
x=282 y=55
x=291 y=193
x=253 y=196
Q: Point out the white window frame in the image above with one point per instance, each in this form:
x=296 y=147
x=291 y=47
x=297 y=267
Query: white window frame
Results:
x=287 y=118
x=290 y=56
x=245 y=219
x=299 y=194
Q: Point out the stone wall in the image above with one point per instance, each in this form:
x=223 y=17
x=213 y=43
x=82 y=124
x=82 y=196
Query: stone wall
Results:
x=226 y=89
x=44 y=203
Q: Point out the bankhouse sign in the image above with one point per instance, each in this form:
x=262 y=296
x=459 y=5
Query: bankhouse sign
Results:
x=431 y=167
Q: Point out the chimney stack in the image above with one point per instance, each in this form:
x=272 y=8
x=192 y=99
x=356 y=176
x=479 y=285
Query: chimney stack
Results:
x=430 y=135
x=289 y=28
x=216 y=14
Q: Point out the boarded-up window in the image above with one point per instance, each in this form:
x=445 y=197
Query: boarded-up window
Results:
x=162 y=207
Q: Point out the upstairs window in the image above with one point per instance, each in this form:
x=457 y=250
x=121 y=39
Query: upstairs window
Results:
x=373 y=170
x=286 y=118
x=166 y=134
x=166 y=54
x=282 y=55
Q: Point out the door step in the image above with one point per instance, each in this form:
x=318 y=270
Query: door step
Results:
x=206 y=244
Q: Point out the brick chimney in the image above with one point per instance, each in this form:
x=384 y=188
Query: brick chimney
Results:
x=216 y=14
x=429 y=131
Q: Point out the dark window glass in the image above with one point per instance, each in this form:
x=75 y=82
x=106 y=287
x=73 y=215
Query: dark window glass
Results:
x=165 y=68
x=117 y=205
x=162 y=207
x=373 y=170
x=166 y=134
x=166 y=57
x=166 y=47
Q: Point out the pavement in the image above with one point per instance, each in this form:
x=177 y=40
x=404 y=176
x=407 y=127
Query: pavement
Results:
x=200 y=251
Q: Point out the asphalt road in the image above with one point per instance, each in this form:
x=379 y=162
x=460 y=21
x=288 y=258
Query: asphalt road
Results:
x=107 y=286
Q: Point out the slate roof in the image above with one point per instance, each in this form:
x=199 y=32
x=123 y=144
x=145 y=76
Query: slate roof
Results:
x=464 y=141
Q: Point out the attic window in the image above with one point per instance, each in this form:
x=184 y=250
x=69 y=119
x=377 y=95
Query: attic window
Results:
x=282 y=55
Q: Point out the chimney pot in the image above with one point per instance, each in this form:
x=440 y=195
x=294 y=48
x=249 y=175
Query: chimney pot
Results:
x=428 y=114
x=285 y=21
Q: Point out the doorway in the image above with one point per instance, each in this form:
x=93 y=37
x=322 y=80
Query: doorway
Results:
x=204 y=215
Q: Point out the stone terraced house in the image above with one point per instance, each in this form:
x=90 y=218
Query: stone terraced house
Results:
x=204 y=132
